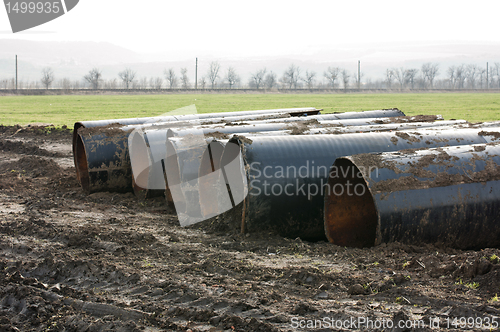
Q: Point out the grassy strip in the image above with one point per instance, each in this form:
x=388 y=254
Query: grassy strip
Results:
x=65 y=110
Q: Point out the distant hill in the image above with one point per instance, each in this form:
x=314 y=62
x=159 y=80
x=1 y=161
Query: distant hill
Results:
x=74 y=59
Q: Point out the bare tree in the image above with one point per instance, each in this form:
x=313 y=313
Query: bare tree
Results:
x=213 y=73
x=331 y=74
x=143 y=83
x=470 y=73
x=202 y=82
x=491 y=76
x=232 y=77
x=400 y=75
x=270 y=80
x=111 y=84
x=158 y=83
x=357 y=80
x=291 y=76
x=460 y=76
x=496 y=71
x=127 y=76
x=451 y=76
x=310 y=79
x=389 y=77
x=410 y=76
x=345 y=78
x=184 y=78
x=65 y=83
x=94 y=77
x=47 y=77
x=429 y=73
x=482 y=77
x=171 y=78
x=257 y=79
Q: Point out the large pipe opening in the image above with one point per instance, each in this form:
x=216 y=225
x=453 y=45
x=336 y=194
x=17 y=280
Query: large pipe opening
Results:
x=351 y=218
x=208 y=177
x=77 y=126
x=81 y=165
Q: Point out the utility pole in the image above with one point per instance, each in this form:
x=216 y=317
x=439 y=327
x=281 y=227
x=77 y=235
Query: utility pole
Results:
x=359 y=74
x=487 y=77
x=16 y=71
x=196 y=76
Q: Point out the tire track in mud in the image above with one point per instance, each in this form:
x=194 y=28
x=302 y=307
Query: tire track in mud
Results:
x=111 y=262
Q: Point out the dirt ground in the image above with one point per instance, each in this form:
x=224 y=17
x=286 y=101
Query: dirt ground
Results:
x=109 y=262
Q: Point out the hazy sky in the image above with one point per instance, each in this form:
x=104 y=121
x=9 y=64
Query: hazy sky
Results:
x=264 y=27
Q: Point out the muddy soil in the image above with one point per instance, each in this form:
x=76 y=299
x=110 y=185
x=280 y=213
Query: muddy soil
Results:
x=111 y=262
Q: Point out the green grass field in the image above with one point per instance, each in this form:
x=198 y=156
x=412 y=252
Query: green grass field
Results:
x=65 y=110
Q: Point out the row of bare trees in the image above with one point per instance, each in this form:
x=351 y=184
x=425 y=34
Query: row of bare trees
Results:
x=464 y=76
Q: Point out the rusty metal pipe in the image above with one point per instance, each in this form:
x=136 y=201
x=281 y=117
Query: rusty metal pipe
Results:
x=189 y=157
x=304 y=125
x=448 y=196
x=388 y=113
x=186 y=120
x=113 y=155
x=285 y=175
x=335 y=130
x=102 y=160
x=152 y=139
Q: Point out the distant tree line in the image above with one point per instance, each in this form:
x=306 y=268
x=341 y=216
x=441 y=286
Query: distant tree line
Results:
x=428 y=76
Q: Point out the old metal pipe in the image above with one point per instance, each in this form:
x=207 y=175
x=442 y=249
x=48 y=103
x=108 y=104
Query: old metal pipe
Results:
x=153 y=138
x=388 y=113
x=448 y=196
x=285 y=175
x=99 y=164
x=186 y=118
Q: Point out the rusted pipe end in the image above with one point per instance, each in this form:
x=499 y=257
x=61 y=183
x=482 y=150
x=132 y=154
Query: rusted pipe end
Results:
x=77 y=126
x=81 y=164
x=208 y=177
x=351 y=218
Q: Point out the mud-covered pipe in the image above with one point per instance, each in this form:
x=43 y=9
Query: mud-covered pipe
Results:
x=87 y=134
x=311 y=124
x=335 y=130
x=149 y=142
x=198 y=116
x=389 y=113
x=448 y=196
x=325 y=120
x=217 y=121
x=222 y=131
x=285 y=175
x=135 y=121
x=231 y=116
x=102 y=160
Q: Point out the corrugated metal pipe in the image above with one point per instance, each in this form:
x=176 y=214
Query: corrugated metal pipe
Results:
x=100 y=148
x=285 y=175
x=102 y=153
x=150 y=146
x=387 y=113
x=448 y=196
